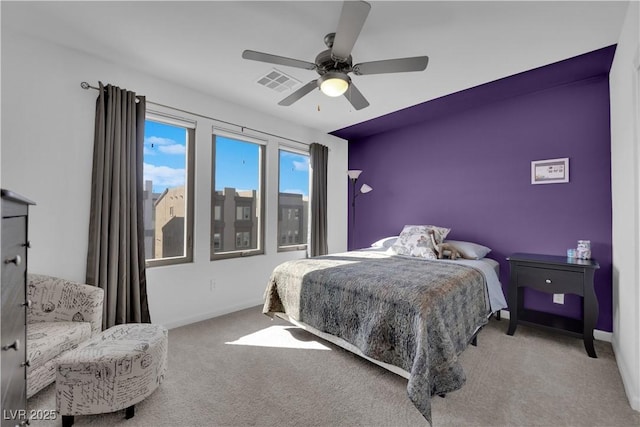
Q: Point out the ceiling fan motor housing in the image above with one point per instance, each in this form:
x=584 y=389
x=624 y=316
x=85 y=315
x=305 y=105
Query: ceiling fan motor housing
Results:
x=326 y=63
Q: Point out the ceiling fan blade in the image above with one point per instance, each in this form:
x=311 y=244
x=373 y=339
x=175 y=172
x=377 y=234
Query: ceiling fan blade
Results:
x=356 y=98
x=299 y=93
x=400 y=65
x=275 y=59
x=352 y=18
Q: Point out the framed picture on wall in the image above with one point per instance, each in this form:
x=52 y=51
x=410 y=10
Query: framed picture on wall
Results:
x=551 y=171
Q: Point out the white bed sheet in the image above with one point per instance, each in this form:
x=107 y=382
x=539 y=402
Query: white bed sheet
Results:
x=490 y=269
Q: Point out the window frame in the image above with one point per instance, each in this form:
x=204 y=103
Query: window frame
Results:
x=288 y=247
x=190 y=155
x=260 y=209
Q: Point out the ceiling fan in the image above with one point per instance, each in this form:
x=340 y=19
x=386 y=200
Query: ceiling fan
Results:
x=334 y=64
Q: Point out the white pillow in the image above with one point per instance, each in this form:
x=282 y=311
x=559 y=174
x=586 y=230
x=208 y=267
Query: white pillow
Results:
x=469 y=249
x=414 y=240
x=385 y=242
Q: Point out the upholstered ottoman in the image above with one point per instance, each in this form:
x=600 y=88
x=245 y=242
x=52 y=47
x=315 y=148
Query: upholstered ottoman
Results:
x=112 y=371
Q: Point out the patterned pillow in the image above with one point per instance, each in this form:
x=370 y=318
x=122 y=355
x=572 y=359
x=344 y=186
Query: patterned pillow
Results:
x=415 y=241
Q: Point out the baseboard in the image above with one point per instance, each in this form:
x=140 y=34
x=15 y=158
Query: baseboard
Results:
x=211 y=314
x=597 y=333
x=602 y=335
x=630 y=389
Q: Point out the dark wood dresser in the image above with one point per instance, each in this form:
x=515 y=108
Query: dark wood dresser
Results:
x=14 y=303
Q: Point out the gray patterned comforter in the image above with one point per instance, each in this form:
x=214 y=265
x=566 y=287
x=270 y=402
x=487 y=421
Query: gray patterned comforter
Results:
x=416 y=314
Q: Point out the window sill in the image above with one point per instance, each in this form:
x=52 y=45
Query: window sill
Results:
x=150 y=263
x=292 y=248
x=236 y=254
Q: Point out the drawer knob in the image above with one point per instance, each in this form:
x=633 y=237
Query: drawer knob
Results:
x=548 y=281
x=17 y=260
x=27 y=303
x=15 y=346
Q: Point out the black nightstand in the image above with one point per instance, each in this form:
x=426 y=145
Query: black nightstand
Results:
x=555 y=275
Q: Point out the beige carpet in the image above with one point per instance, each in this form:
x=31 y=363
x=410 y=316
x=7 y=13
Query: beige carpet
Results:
x=531 y=379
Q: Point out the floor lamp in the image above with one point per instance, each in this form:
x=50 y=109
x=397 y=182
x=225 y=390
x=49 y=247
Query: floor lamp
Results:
x=354 y=174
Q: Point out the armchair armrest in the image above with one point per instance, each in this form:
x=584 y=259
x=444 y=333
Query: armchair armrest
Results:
x=54 y=299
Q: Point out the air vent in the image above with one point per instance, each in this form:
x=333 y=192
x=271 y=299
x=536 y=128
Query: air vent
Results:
x=278 y=81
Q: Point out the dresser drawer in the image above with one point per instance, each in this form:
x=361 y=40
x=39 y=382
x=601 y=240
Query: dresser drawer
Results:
x=14 y=265
x=549 y=280
x=13 y=339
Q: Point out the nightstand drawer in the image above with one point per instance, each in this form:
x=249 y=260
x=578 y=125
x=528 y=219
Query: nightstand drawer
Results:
x=552 y=281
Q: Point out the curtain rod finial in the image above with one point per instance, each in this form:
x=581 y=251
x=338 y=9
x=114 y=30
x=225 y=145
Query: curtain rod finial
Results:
x=84 y=85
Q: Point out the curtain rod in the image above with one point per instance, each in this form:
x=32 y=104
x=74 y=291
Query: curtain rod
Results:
x=87 y=86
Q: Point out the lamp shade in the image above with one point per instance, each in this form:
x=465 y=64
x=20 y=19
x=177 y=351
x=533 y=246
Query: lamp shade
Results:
x=354 y=173
x=333 y=83
x=365 y=189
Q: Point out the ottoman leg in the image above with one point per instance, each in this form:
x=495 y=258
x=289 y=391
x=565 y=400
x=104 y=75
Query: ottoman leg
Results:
x=131 y=411
x=67 y=420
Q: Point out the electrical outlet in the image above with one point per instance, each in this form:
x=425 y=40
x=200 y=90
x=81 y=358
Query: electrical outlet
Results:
x=212 y=284
x=558 y=298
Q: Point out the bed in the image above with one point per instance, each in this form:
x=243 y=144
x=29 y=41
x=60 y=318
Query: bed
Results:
x=412 y=315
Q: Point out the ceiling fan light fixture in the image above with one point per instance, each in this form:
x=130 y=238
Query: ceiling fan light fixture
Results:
x=334 y=83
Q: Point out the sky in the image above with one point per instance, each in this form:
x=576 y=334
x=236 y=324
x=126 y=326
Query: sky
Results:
x=164 y=155
x=294 y=173
x=236 y=162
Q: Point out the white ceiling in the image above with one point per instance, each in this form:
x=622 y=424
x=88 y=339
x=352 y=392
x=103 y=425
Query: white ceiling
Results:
x=199 y=44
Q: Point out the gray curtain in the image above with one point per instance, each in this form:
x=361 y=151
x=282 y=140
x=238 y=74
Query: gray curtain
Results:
x=319 y=159
x=115 y=258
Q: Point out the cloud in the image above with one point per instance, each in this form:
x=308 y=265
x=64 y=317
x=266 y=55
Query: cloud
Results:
x=163 y=145
x=172 y=149
x=164 y=176
x=157 y=140
x=301 y=166
x=299 y=161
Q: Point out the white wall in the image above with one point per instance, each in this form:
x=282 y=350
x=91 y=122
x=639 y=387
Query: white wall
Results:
x=47 y=145
x=625 y=181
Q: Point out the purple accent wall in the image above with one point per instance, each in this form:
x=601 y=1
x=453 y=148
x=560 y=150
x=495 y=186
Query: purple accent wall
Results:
x=466 y=165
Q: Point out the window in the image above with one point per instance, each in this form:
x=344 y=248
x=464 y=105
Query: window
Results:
x=243 y=213
x=293 y=200
x=168 y=189
x=237 y=196
x=243 y=239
